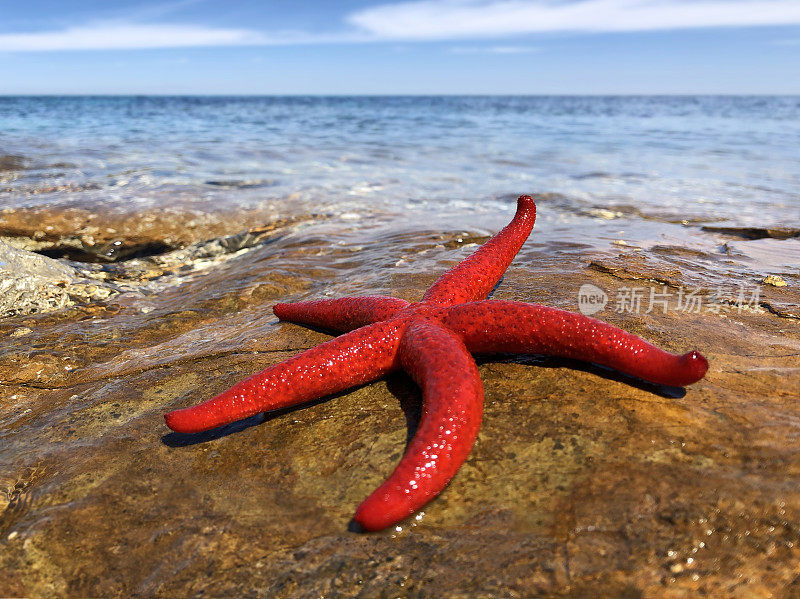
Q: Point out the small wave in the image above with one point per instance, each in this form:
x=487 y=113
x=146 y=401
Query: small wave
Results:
x=246 y=184
x=593 y=175
x=32 y=190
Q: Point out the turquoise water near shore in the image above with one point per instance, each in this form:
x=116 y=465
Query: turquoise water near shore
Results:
x=735 y=159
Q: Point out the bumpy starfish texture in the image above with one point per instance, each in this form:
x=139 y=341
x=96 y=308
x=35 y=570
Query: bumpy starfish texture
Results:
x=433 y=340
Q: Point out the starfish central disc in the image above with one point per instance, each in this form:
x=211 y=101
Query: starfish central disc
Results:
x=433 y=341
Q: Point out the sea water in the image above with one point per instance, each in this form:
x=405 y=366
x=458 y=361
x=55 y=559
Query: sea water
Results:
x=700 y=158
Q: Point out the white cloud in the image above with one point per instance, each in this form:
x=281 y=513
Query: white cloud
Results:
x=117 y=36
x=424 y=20
x=454 y=19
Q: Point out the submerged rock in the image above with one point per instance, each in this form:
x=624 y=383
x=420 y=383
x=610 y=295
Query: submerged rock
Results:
x=756 y=232
x=11 y=162
x=83 y=235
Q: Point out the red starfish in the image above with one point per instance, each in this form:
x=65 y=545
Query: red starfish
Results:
x=432 y=341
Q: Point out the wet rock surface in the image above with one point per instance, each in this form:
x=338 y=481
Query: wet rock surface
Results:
x=31 y=283
x=81 y=234
x=756 y=232
x=582 y=481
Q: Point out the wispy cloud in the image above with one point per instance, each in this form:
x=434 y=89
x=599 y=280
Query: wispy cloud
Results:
x=493 y=49
x=426 y=20
x=454 y=19
x=116 y=36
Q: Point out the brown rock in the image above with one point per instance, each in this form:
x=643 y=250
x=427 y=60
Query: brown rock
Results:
x=582 y=482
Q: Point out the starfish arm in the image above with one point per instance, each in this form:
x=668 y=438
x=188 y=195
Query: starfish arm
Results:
x=452 y=396
x=496 y=326
x=476 y=276
x=352 y=359
x=344 y=314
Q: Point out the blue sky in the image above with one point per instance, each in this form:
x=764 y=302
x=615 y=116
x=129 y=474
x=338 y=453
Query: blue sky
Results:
x=395 y=47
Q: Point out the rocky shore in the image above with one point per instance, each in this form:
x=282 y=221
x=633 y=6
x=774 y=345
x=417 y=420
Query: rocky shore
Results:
x=582 y=482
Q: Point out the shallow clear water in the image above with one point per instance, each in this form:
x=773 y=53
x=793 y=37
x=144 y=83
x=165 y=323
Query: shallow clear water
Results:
x=615 y=173
x=698 y=158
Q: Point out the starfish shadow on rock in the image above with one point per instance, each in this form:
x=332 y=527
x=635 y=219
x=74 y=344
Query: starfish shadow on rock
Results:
x=433 y=341
x=552 y=362
x=410 y=399
x=179 y=439
x=175 y=439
